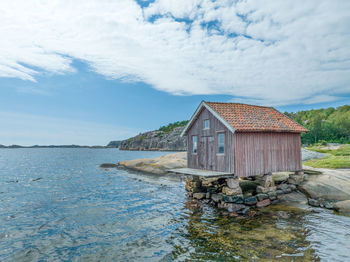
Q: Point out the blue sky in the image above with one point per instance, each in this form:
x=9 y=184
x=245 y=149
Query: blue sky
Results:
x=90 y=73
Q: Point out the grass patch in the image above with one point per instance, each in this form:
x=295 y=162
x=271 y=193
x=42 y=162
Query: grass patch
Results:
x=329 y=162
x=343 y=150
x=336 y=158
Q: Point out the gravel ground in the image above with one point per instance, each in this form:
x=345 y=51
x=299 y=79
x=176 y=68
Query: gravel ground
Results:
x=307 y=154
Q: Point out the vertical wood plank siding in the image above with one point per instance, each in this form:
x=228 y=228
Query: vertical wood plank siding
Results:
x=259 y=153
x=207 y=157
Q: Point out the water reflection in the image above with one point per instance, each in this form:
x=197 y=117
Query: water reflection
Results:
x=276 y=233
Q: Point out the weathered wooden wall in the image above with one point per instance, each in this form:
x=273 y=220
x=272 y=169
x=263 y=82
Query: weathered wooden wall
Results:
x=207 y=157
x=259 y=153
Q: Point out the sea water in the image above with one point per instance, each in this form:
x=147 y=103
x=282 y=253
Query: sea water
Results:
x=57 y=204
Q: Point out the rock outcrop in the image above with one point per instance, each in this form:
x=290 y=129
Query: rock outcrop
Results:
x=343 y=206
x=159 y=165
x=331 y=185
x=156 y=140
x=114 y=144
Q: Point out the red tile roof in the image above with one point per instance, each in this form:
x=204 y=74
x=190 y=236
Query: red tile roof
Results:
x=250 y=118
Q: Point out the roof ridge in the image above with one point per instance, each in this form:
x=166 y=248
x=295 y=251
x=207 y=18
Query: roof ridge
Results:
x=232 y=103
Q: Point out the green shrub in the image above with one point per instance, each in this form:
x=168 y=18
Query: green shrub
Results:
x=170 y=127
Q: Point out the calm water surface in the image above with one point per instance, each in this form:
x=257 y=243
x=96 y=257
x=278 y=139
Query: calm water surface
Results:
x=57 y=204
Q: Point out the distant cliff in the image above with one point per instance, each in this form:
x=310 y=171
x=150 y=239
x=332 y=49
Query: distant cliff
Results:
x=167 y=140
x=114 y=144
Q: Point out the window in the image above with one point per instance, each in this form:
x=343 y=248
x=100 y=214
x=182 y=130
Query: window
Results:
x=206 y=124
x=221 y=143
x=194 y=144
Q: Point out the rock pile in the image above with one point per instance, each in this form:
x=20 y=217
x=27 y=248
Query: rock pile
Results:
x=239 y=196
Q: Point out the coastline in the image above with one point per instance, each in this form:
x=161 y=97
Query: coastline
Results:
x=325 y=188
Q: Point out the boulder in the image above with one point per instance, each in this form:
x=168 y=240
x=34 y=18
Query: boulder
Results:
x=238 y=199
x=209 y=182
x=216 y=197
x=279 y=192
x=293 y=198
x=280 y=177
x=272 y=195
x=233 y=183
x=250 y=201
x=263 y=203
x=262 y=196
x=193 y=186
x=199 y=195
x=235 y=207
x=332 y=185
x=265 y=190
x=313 y=202
x=296 y=179
x=343 y=206
x=231 y=191
x=267 y=180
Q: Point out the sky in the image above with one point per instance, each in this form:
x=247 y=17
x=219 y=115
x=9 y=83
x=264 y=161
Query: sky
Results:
x=91 y=71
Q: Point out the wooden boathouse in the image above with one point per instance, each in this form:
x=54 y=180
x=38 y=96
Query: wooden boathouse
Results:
x=244 y=140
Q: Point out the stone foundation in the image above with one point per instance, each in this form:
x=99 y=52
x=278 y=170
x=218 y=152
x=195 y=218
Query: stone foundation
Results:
x=239 y=196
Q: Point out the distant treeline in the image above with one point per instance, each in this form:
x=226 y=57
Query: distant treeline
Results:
x=168 y=128
x=325 y=125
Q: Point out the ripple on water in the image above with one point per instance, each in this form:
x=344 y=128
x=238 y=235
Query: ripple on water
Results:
x=64 y=207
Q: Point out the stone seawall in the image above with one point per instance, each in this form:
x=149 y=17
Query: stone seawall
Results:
x=240 y=196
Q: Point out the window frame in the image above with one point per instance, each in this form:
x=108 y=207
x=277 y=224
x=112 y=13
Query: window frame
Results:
x=218 y=144
x=206 y=121
x=192 y=149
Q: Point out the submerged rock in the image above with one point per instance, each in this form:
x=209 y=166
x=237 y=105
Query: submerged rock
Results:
x=263 y=203
x=313 y=202
x=108 y=165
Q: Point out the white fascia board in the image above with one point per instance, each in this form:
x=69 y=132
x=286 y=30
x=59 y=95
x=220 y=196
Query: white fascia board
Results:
x=195 y=115
x=193 y=118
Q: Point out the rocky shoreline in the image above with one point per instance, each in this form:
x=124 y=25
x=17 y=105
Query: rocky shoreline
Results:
x=325 y=188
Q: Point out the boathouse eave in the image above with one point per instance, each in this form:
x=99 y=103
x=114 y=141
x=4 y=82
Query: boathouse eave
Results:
x=195 y=116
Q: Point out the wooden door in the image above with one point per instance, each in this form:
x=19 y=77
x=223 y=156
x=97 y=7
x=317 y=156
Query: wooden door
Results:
x=202 y=153
x=210 y=153
x=206 y=153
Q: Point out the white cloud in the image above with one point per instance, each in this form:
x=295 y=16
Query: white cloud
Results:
x=279 y=52
x=28 y=129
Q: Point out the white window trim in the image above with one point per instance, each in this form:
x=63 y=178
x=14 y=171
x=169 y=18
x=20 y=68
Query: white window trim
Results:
x=195 y=153
x=206 y=128
x=217 y=152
